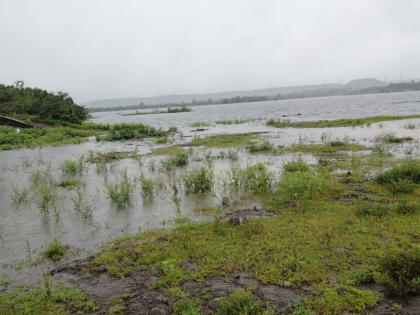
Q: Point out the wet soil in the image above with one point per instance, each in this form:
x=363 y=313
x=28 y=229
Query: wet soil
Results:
x=137 y=295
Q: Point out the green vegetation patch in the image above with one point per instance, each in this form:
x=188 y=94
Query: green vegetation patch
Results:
x=226 y=140
x=58 y=300
x=336 y=123
x=322 y=149
x=120 y=132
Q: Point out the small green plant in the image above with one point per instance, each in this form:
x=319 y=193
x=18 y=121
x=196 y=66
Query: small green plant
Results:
x=45 y=197
x=120 y=191
x=147 y=186
x=257 y=179
x=402 y=186
x=18 y=195
x=55 y=250
x=73 y=167
x=199 y=180
x=410 y=126
x=402 y=270
x=296 y=166
x=240 y=302
x=408 y=207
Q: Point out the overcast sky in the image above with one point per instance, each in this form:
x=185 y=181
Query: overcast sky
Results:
x=97 y=49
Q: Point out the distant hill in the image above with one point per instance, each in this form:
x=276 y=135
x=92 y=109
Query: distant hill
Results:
x=365 y=83
x=188 y=98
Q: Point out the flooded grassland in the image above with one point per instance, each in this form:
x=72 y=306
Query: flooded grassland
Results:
x=227 y=211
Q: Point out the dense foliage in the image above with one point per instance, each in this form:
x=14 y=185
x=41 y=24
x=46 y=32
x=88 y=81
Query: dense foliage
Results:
x=39 y=105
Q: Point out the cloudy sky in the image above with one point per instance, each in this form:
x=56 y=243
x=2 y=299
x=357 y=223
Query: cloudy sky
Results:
x=98 y=49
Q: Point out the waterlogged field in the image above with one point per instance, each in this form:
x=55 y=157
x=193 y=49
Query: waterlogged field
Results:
x=228 y=215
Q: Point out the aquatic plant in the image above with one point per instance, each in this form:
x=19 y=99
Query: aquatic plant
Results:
x=55 y=250
x=73 y=167
x=119 y=192
x=260 y=147
x=119 y=132
x=200 y=124
x=392 y=138
x=295 y=166
x=147 y=186
x=199 y=180
x=45 y=197
x=256 y=178
x=19 y=195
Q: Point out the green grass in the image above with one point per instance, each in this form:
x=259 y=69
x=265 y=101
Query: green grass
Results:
x=233 y=121
x=336 y=123
x=36 y=137
x=260 y=147
x=166 y=150
x=106 y=157
x=59 y=300
x=226 y=140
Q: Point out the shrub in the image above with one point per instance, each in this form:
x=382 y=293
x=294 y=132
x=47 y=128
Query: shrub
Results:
x=119 y=192
x=366 y=208
x=240 y=302
x=296 y=166
x=72 y=167
x=402 y=271
x=408 y=207
x=55 y=250
x=200 y=180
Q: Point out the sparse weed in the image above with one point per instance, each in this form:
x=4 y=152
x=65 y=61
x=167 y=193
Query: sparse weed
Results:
x=73 y=167
x=296 y=166
x=55 y=250
x=147 y=186
x=119 y=192
x=19 y=195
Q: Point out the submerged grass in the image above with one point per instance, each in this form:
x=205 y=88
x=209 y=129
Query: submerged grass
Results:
x=336 y=123
x=226 y=140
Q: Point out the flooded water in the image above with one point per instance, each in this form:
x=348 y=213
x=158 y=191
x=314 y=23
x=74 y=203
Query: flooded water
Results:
x=25 y=231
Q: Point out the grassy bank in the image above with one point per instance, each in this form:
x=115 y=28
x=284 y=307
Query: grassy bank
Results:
x=12 y=138
x=169 y=110
x=336 y=123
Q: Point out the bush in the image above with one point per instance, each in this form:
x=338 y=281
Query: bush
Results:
x=402 y=271
x=408 y=207
x=402 y=186
x=366 y=209
x=240 y=302
x=72 y=167
x=55 y=250
x=295 y=166
x=119 y=192
x=200 y=180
